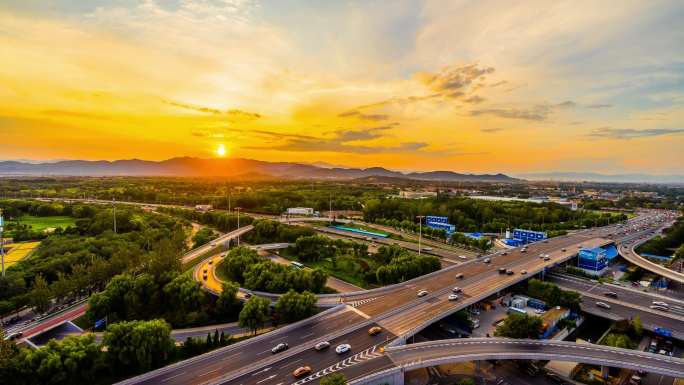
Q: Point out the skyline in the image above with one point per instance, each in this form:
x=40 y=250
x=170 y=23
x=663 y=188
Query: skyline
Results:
x=469 y=87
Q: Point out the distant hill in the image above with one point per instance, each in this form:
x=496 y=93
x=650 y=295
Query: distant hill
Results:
x=196 y=167
x=596 y=177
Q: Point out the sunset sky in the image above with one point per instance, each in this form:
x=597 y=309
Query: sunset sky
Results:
x=471 y=86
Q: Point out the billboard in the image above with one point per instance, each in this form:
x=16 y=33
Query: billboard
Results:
x=442 y=223
x=528 y=236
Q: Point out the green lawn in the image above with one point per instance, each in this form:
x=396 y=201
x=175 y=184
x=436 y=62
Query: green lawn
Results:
x=42 y=223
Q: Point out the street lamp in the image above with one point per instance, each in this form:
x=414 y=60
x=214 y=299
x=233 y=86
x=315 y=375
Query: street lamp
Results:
x=238 y=225
x=420 y=230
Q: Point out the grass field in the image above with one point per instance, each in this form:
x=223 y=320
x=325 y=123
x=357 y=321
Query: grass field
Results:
x=42 y=223
x=18 y=251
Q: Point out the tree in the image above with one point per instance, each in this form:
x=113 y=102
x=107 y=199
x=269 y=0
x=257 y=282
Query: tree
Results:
x=72 y=360
x=237 y=261
x=334 y=379
x=203 y=236
x=40 y=294
x=293 y=306
x=637 y=326
x=466 y=381
x=254 y=313
x=8 y=350
x=228 y=305
x=520 y=326
x=185 y=296
x=138 y=346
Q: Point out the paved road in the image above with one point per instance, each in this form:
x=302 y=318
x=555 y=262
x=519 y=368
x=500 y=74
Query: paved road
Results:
x=432 y=353
x=628 y=304
x=396 y=308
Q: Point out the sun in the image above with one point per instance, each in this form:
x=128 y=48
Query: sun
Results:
x=221 y=150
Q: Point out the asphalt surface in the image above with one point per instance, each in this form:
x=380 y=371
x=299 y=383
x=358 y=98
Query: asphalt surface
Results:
x=446 y=351
x=629 y=303
x=396 y=308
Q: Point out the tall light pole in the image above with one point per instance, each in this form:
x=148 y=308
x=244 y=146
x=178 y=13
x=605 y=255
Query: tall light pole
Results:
x=114 y=208
x=238 y=225
x=420 y=230
x=330 y=214
x=2 y=243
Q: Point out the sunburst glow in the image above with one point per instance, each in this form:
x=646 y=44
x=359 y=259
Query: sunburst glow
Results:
x=221 y=150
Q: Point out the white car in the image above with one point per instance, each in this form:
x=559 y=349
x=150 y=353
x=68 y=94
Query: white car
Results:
x=453 y=297
x=422 y=293
x=322 y=345
x=341 y=349
x=603 y=305
x=456 y=289
x=660 y=303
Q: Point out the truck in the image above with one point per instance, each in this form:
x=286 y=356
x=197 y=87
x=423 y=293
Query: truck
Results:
x=663 y=332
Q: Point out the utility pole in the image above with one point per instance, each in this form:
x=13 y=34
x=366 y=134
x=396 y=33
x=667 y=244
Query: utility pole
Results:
x=420 y=230
x=2 y=243
x=330 y=214
x=238 y=225
x=114 y=208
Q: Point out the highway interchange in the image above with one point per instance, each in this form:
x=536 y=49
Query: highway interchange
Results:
x=397 y=309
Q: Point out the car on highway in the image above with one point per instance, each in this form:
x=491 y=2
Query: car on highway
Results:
x=510 y=272
x=204 y=277
x=374 y=330
x=602 y=305
x=547 y=258
x=459 y=276
x=302 y=371
x=422 y=293
x=211 y=262
x=456 y=289
x=502 y=270
x=523 y=250
x=343 y=348
x=322 y=345
x=281 y=347
x=14 y=336
x=611 y=294
x=658 y=307
x=661 y=303
x=427 y=248
x=248 y=295
x=463 y=257
x=204 y=271
x=487 y=260
x=523 y=272
x=504 y=253
x=453 y=297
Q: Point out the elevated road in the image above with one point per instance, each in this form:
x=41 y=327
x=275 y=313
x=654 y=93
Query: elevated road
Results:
x=628 y=304
x=424 y=354
x=396 y=308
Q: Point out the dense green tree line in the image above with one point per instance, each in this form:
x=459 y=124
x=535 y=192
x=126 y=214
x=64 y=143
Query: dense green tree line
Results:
x=128 y=348
x=203 y=236
x=244 y=266
x=520 y=326
x=671 y=242
x=222 y=221
x=401 y=265
x=553 y=295
x=317 y=247
x=268 y=231
x=82 y=259
x=472 y=215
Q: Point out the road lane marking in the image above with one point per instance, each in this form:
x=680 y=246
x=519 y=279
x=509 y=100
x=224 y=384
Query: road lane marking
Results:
x=172 y=377
x=306 y=336
x=290 y=363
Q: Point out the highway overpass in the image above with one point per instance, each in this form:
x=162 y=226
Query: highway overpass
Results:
x=425 y=354
x=396 y=308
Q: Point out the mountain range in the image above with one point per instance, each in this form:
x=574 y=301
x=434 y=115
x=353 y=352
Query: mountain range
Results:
x=597 y=177
x=234 y=167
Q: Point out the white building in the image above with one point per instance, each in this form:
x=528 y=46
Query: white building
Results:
x=300 y=211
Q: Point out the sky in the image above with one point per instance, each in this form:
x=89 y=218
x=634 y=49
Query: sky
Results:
x=470 y=86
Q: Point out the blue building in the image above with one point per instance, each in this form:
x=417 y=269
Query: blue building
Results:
x=592 y=261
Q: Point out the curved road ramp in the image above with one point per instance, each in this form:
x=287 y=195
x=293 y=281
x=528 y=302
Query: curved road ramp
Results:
x=425 y=354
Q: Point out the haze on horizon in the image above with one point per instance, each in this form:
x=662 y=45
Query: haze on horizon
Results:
x=481 y=86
